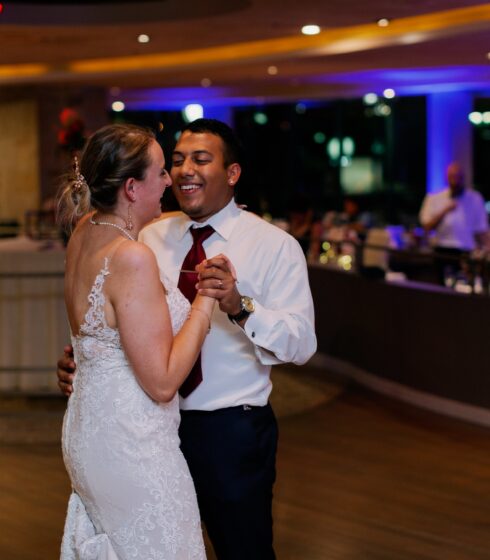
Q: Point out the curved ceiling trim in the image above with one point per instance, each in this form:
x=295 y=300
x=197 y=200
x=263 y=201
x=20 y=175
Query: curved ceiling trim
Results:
x=409 y=30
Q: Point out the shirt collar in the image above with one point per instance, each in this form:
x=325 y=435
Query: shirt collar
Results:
x=223 y=221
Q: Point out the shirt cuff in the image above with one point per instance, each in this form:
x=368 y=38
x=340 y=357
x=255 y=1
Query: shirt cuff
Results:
x=258 y=327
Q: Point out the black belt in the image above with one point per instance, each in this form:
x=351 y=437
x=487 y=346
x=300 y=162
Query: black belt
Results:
x=223 y=411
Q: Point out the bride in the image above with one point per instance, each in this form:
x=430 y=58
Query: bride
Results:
x=134 y=344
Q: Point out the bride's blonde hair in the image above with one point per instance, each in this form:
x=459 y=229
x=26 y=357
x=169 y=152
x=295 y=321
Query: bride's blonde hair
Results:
x=112 y=155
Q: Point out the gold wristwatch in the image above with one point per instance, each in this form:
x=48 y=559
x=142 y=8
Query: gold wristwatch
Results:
x=247 y=306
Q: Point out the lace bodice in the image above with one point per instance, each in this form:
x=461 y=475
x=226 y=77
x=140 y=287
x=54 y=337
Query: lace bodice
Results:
x=121 y=449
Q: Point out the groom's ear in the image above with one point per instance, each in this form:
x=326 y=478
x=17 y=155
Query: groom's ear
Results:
x=233 y=172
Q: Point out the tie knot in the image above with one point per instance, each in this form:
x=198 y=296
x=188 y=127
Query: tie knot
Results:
x=201 y=234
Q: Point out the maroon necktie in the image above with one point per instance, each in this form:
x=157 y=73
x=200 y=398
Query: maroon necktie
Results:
x=187 y=285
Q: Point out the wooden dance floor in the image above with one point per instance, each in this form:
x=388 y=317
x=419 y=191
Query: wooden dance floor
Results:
x=360 y=477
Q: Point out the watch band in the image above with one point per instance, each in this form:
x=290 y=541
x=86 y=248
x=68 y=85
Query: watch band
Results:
x=239 y=316
x=246 y=308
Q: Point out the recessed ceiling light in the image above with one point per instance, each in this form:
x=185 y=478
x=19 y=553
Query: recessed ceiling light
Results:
x=383 y=22
x=143 y=38
x=310 y=29
x=206 y=82
x=389 y=93
x=272 y=70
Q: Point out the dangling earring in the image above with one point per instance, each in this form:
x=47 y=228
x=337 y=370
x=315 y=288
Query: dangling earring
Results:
x=129 y=219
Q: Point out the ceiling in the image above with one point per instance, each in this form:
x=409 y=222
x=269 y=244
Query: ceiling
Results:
x=430 y=45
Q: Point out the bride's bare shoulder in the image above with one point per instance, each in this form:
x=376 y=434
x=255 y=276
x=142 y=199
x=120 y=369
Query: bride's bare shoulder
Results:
x=131 y=257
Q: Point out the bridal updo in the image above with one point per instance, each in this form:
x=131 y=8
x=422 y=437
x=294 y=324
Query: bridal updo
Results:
x=112 y=155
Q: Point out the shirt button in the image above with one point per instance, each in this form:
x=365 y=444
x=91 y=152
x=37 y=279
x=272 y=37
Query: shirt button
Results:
x=253 y=334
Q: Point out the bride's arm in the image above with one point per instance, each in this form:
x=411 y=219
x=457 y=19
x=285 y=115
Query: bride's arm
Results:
x=160 y=361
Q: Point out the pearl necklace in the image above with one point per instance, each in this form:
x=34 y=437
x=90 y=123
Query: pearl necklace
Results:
x=120 y=228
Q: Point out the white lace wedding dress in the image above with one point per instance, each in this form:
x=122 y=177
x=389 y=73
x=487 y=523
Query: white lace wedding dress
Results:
x=133 y=496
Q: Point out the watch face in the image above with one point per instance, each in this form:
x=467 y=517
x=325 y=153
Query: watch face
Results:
x=248 y=304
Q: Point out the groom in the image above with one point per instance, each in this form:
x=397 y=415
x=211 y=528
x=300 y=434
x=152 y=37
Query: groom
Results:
x=228 y=430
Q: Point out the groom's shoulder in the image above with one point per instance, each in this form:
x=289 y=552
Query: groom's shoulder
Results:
x=164 y=223
x=264 y=229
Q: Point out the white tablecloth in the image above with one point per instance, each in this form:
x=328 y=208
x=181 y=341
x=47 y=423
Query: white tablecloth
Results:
x=33 y=323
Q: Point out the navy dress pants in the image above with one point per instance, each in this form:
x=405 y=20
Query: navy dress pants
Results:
x=231 y=455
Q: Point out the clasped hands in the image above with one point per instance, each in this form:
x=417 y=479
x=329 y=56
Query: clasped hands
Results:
x=217 y=279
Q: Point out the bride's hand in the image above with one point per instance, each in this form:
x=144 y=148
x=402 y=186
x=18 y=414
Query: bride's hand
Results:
x=217 y=278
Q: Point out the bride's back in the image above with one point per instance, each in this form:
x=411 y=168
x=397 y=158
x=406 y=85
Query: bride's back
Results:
x=117 y=161
x=86 y=255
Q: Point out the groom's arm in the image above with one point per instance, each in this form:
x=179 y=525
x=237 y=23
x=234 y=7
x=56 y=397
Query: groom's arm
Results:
x=66 y=371
x=282 y=327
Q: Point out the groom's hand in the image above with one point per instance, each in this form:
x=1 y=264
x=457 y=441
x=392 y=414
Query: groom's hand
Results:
x=65 y=371
x=217 y=279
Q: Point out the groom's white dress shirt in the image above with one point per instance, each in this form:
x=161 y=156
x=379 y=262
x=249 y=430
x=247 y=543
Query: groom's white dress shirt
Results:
x=271 y=269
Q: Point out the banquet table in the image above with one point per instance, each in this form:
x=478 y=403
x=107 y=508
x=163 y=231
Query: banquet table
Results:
x=33 y=323
x=418 y=342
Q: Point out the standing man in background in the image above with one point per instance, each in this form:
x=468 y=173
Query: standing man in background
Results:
x=459 y=220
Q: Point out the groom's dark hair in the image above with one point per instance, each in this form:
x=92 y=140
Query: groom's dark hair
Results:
x=232 y=148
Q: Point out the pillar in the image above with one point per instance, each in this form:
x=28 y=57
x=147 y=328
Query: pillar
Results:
x=449 y=137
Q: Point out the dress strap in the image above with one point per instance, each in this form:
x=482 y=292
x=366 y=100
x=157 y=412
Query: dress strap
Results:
x=95 y=316
x=112 y=252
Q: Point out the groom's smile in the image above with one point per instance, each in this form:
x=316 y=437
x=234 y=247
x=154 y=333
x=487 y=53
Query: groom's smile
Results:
x=200 y=179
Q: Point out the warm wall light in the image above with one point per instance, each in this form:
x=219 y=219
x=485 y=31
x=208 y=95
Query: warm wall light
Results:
x=206 y=82
x=272 y=70
x=475 y=117
x=310 y=29
x=382 y=110
x=192 y=112
x=260 y=118
x=370 y=98
x=333 y=148
x=143 y=38
x=383 y=22
x=118 y=106
x=348 y=146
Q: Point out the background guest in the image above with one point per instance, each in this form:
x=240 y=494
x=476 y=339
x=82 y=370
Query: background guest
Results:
x=458 y=218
